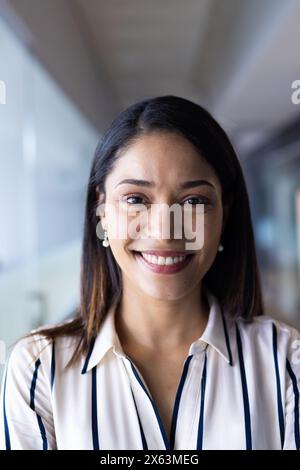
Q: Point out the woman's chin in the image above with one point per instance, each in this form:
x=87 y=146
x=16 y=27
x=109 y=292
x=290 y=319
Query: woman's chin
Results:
x=163 y=294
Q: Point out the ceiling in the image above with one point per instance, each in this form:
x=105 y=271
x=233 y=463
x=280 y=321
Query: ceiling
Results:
x=147 y=48
x=238 y=58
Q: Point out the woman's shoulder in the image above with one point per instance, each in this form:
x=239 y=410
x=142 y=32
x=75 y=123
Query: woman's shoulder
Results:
x=266 y=322
x=36 y=346
x=266 y=329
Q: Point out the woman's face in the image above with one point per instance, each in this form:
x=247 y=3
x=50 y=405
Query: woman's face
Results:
x=163 y=161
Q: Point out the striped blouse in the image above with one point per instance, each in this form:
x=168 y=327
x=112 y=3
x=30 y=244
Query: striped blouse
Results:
x=239 y=389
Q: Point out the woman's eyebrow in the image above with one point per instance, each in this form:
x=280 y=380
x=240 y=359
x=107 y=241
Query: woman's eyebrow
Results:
x=151 y=184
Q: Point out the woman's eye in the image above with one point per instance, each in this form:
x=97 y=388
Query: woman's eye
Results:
x=197 y=200
x=133 y=200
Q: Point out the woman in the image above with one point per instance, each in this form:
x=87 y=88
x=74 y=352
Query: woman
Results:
x=170 y=348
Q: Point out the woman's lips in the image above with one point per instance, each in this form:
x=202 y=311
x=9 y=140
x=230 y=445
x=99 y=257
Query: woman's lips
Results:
x=165 y=268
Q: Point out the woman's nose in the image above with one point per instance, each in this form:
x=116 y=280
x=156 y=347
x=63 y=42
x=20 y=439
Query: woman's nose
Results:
x=164 y=221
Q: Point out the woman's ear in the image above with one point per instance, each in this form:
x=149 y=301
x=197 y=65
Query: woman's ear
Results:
x=100 y=206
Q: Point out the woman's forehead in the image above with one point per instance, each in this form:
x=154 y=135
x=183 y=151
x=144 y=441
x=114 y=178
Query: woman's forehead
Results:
x=162 y=157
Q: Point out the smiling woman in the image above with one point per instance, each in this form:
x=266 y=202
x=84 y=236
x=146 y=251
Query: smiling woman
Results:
x=170 y=347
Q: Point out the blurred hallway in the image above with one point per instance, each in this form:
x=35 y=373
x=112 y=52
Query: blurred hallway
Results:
x=69 y=66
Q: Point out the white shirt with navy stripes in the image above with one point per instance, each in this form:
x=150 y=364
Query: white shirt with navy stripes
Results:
x=239 y=389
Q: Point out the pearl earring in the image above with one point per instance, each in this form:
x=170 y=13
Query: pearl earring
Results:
x=220 y=247
x=105 y=241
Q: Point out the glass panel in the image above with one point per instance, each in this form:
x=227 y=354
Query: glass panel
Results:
x=46 y=147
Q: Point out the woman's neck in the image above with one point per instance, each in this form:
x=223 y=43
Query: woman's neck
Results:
x=154 y=325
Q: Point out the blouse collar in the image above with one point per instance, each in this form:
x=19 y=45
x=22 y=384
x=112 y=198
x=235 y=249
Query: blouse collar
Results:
x=216 y=334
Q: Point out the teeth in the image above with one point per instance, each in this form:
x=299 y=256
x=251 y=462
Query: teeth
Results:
x=162 y=260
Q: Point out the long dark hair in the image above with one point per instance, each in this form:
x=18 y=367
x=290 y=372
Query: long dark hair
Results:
x=233 y=276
